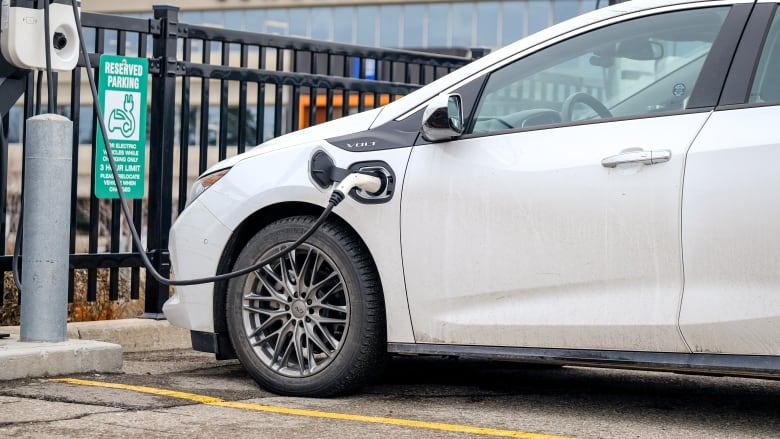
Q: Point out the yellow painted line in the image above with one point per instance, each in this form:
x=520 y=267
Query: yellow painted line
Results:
x=203 y=399
x=219 y=402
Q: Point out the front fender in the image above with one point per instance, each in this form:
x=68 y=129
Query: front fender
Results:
x=283 y=177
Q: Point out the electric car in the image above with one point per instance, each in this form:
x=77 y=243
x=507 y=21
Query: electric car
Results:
x=598 y=193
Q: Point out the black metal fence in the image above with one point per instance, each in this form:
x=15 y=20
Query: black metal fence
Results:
x=213 y=93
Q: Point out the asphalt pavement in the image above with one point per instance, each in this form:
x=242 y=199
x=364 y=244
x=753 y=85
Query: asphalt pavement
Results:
x=174 y=392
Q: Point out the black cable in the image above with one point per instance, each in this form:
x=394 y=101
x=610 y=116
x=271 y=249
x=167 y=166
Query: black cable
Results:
x=18 y=249
x=335 y=199
x=47 y=45
x=38 y=88
x=50 y=98
x=18 y=238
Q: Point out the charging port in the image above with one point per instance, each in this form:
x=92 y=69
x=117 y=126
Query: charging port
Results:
x=324 y=172
x=386 y=175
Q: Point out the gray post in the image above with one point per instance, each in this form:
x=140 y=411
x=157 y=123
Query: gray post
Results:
x=47 y=159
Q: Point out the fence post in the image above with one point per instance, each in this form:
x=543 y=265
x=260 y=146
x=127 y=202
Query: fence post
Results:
x=162 y=117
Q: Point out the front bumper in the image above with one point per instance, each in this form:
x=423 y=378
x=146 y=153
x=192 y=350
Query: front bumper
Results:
x=197 y=241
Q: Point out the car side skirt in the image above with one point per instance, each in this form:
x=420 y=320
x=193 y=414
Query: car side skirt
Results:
x=715 y=364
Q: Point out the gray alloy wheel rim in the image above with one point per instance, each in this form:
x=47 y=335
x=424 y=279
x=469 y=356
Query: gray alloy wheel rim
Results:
x=296 y=311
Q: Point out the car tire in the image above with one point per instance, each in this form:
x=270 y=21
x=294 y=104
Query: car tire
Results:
x=311 y=323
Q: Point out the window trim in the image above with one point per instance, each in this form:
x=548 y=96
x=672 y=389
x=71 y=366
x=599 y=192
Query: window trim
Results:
x=741 y=75
x=714 y=72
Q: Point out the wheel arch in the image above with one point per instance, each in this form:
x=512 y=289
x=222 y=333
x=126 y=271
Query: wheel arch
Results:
x=241 y=236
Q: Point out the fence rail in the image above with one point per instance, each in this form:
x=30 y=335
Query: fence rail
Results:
x=213 y=93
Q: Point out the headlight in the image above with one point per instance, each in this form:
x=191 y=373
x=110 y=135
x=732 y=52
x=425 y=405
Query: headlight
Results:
x=204 y=183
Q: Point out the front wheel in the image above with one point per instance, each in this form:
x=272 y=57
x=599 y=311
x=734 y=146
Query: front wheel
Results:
x=312 y=322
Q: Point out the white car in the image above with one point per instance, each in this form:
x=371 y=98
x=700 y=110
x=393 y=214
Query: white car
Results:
x=599 y=193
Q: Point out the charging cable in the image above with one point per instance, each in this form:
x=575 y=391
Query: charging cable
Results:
x=50 y=98
x=49 y=75
x=368 y=183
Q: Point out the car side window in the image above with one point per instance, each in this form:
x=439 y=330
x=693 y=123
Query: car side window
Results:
x=633 y=68
x=766 y=84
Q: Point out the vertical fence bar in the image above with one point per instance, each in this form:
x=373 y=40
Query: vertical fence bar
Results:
x=313 y=91
x=203 y=138
x=28 y=112
x=4 y=121
x=329 y=92
x=223 y=105
x=161 y=157
x=296 y=100
x=260 y=105
x=241 y=140
x=361 y=95
x=138 y=207
x=75 y=115
x=94 y=203
x=279 y=100
x=184 y=130
x=55 y=80
x=345 y=92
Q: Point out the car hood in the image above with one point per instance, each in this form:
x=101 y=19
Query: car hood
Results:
x=339 y=127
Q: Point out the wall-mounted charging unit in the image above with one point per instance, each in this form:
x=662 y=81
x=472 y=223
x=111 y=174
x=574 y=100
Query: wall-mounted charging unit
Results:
x=23 y=37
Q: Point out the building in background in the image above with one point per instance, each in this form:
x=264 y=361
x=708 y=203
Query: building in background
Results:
x=447 y=27
x=405 y=24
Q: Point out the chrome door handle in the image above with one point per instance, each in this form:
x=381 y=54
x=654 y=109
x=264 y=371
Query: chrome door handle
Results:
x=638 y=157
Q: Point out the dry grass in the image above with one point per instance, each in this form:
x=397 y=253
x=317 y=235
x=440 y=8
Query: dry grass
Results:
x=81 y=310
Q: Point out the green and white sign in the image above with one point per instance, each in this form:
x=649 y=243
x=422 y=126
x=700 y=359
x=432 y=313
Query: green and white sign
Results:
x=122 y=95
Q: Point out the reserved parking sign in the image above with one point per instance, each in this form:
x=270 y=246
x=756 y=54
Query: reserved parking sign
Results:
x=122 y=95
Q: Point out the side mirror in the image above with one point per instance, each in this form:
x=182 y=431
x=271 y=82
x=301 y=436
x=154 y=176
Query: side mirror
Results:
x=443 y=118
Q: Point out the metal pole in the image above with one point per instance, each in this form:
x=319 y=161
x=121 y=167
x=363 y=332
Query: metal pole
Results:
x=48 y=158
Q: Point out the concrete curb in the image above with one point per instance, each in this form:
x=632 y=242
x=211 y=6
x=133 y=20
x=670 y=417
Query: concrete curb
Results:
x=134 y=335
x=32 y=360
x=91 y=347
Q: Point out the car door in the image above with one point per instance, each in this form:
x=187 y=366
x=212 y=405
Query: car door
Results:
x=555 y=220
x=731 y=217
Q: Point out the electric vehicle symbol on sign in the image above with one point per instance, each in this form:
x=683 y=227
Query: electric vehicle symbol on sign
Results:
x=534 y=205
x=123 y=119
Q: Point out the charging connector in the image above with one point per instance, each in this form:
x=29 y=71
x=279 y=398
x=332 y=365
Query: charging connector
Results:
x=368 y=183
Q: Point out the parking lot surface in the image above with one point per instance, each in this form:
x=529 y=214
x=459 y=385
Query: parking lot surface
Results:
x=188 y=394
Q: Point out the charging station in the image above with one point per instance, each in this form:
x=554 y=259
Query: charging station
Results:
x=22 y=34
x=23 y=45
x=41 y=35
